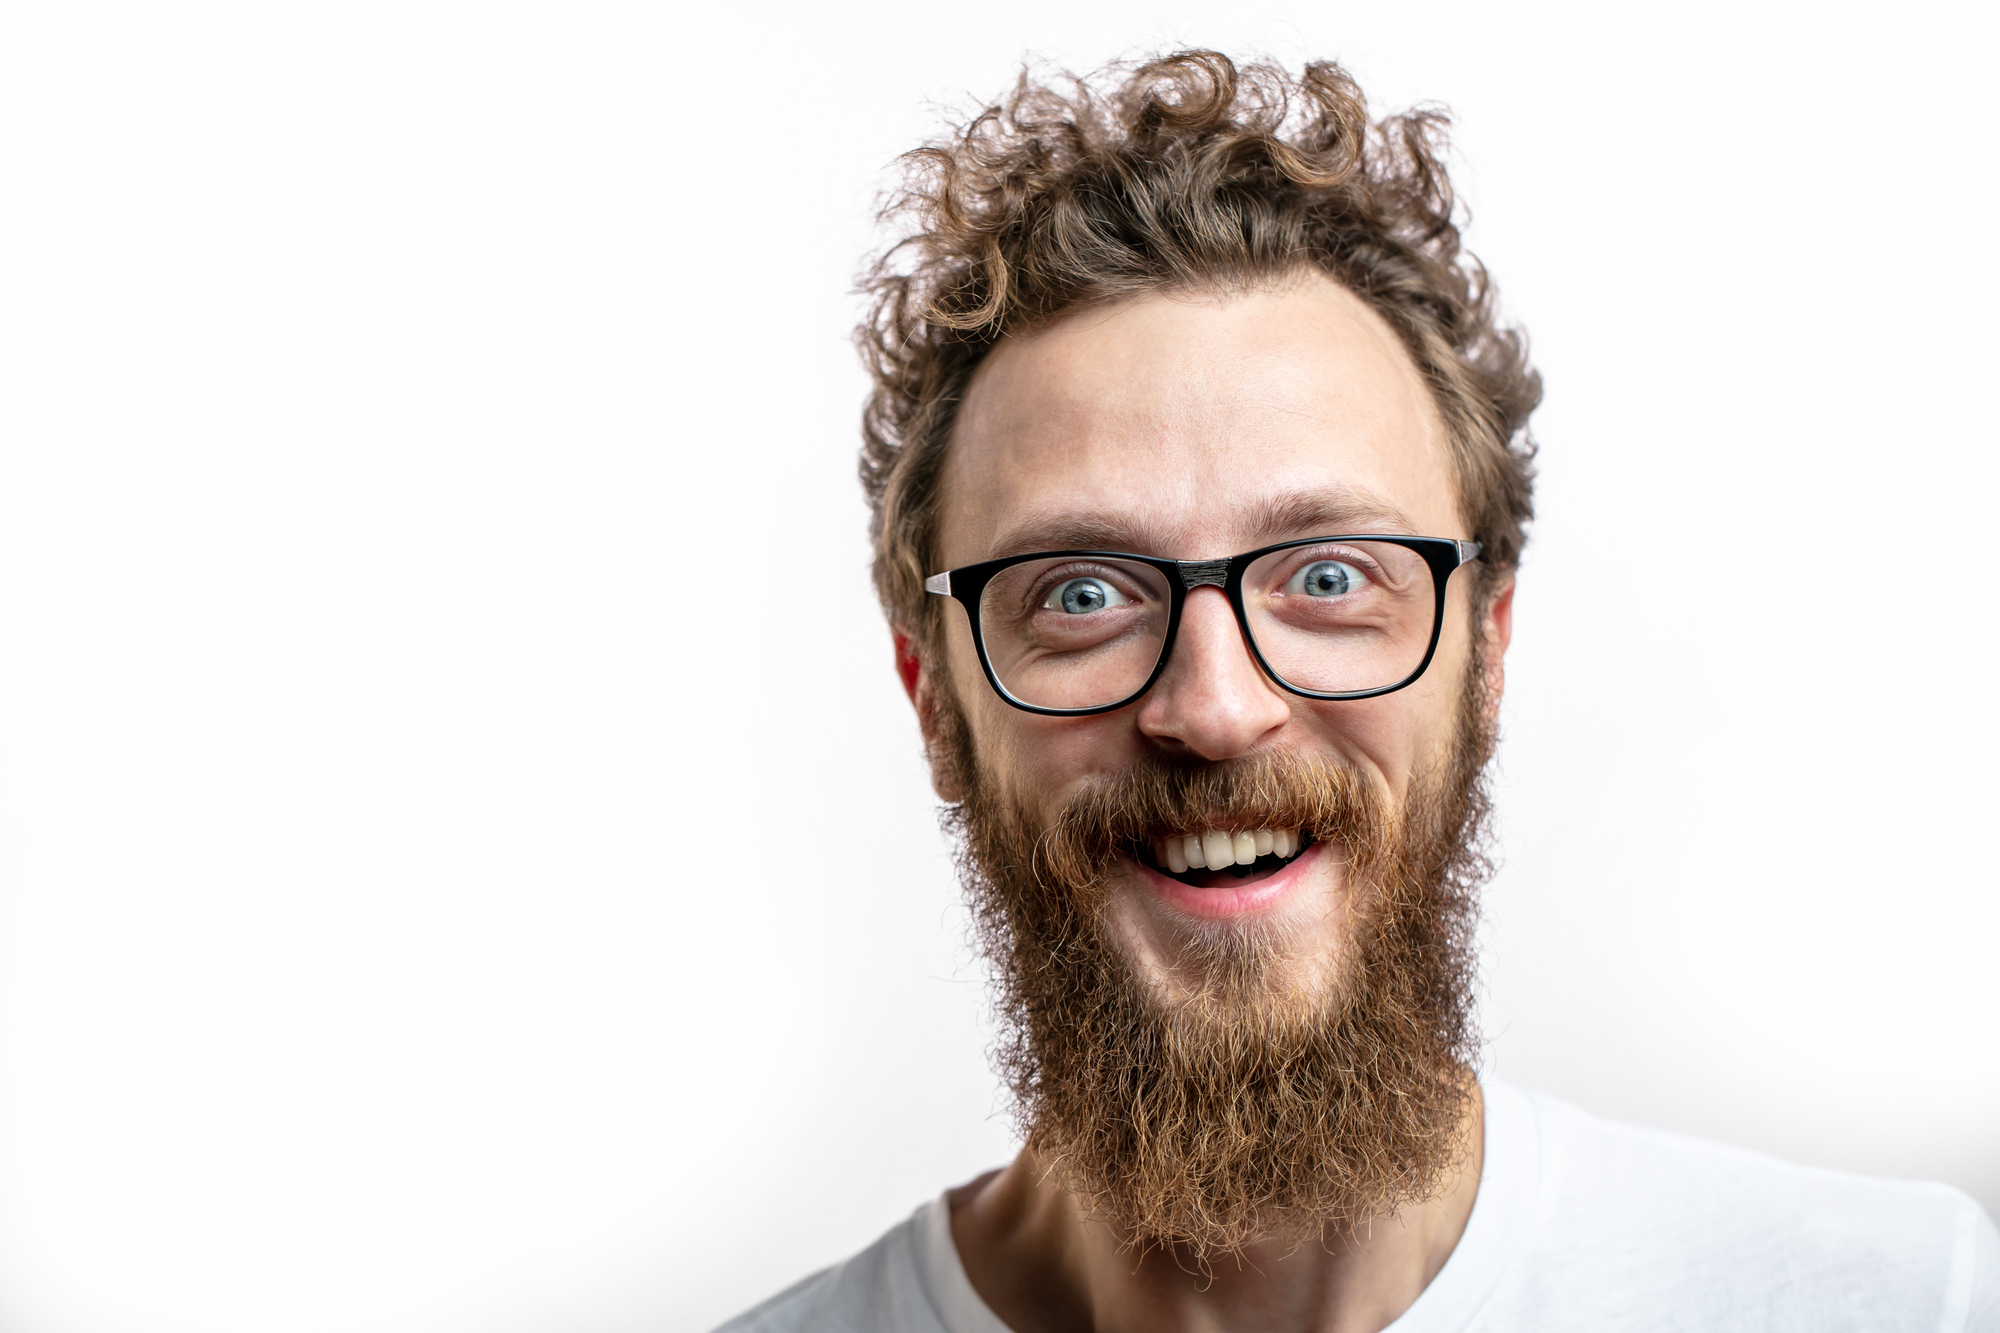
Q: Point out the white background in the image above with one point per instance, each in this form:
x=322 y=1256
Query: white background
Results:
x=464 y=859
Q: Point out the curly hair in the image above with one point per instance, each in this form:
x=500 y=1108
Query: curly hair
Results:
x=1180 y=173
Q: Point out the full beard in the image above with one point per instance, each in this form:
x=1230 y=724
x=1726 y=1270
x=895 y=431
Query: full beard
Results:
x=1247 y=1106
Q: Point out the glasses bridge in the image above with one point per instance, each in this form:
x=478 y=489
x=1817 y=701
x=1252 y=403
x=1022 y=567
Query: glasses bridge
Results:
x=1200 y=573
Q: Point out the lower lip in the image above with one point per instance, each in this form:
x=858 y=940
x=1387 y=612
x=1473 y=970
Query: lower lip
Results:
x=1222 y=903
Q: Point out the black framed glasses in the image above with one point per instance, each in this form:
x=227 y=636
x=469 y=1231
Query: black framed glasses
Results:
x=1076 y=632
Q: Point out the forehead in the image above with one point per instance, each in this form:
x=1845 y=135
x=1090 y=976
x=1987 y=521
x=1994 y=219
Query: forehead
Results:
x=1197 y=426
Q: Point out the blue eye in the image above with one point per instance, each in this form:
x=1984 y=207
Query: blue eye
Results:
x=1080 y=597
x=1327 y=578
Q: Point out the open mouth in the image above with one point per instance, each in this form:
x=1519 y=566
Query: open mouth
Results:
x=1222 y=858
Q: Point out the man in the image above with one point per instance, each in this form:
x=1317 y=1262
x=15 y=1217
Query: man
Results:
x=1200 y=476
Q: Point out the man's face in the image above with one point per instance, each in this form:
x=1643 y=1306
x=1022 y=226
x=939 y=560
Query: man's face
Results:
x=1195 y=427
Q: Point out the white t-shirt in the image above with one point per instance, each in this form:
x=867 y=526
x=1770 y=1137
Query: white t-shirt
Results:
x=1580 y=1224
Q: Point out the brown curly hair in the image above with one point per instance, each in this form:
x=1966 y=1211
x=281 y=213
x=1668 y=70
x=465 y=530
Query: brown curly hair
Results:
x=1183 y=172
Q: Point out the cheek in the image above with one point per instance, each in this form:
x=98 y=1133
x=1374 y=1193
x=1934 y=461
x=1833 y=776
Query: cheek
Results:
x=1431 y=707
x=975 y=697
x=1393 y=736
x=1046 y=760
x=1040 y=761
x=1374 y=735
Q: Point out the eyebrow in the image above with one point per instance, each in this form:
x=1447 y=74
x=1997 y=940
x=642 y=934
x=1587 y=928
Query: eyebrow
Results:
x=1335 y=510
x=1329 y=511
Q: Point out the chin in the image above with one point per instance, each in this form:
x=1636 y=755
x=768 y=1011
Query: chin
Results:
x=1277 y=940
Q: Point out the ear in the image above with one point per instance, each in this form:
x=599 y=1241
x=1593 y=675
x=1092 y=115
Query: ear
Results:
x=1497 y=629
x=920 y=684
x=909 y=667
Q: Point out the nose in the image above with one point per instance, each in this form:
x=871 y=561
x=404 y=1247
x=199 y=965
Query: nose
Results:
x=1213 y=699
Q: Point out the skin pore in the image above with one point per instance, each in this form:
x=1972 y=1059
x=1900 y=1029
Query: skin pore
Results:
x=1193 y=426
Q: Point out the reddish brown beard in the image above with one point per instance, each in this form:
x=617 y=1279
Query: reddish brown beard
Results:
x=1245 y=1110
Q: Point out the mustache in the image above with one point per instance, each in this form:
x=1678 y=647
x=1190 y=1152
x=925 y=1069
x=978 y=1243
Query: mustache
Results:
x=1157 y=796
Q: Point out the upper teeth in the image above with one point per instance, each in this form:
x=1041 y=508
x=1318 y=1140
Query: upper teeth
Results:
x=1212 y=849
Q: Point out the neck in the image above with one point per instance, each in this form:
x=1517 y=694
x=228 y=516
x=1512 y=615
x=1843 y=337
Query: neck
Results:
x=1044 y=1267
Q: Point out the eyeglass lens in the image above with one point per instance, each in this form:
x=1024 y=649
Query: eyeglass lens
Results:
x=1334 y=617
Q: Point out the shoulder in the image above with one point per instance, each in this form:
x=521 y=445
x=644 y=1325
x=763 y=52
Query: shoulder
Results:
x=876 y=1291
x=1633 y=1219
x=1661 y=1186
